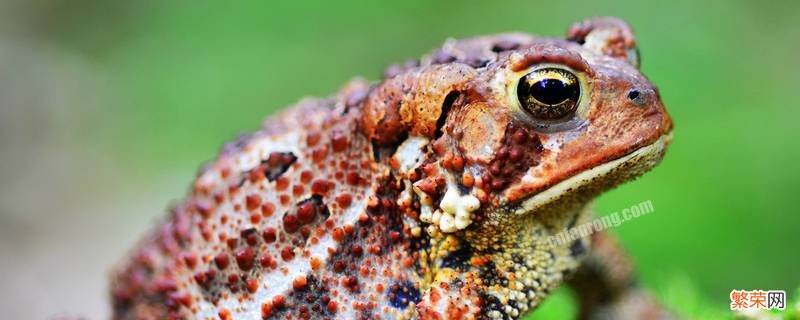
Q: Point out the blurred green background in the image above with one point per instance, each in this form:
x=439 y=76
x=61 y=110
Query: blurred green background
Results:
x=108 y=107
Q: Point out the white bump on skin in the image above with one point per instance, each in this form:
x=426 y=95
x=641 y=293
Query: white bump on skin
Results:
x=456 y=210
x=425 y=210
x=409 y=154
x=447 y=223
x=425 y=214
x=436 y=217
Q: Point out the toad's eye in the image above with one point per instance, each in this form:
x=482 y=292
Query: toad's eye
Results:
x=549 y=93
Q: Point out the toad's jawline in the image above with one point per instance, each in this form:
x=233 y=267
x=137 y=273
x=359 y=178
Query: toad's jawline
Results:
x=651 y=152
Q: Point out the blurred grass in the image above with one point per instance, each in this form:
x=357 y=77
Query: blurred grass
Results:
x=179 y=78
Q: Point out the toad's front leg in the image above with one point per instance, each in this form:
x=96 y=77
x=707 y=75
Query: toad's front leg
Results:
x=605 y=285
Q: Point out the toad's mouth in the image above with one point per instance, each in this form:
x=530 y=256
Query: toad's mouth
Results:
x=601 y=177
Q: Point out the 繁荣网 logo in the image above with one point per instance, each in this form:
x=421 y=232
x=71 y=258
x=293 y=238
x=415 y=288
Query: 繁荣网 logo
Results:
x=758 y=300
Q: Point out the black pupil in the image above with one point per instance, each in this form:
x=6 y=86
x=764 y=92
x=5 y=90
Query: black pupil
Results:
x=552 y=91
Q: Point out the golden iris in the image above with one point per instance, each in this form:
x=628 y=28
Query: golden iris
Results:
x=549 y=93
